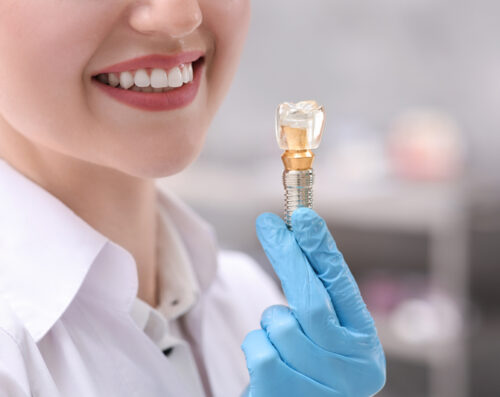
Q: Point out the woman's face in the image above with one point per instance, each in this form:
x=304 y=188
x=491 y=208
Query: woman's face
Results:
x=51 y=50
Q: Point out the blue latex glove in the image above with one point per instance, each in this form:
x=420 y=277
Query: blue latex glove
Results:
x=325 y=344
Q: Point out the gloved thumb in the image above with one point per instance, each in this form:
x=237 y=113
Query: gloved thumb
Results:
x=246 y=392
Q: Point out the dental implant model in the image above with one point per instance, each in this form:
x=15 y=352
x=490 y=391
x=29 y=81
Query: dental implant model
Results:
x=299 y=128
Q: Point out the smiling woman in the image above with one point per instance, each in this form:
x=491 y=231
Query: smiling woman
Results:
x=109 y=285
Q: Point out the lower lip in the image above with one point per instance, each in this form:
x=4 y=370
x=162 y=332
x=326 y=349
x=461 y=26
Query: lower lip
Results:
x=157 y=101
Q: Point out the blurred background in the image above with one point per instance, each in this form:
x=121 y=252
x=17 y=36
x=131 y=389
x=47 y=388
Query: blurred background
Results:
x=406 y=176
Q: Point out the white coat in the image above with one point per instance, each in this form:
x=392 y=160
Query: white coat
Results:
x=70 y=320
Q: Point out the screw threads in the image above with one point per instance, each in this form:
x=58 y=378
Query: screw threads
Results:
x=298 y=192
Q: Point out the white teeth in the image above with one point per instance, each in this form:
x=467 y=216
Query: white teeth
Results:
x=141 y=78
x=158 y=81
x=175 y=77
x=185 y=74
x=126 y=80
x=191 y=73
x=159 y=78
x=113 y=79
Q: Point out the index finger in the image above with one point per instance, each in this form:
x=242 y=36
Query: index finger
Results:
x=320 y=248
x=304 y=291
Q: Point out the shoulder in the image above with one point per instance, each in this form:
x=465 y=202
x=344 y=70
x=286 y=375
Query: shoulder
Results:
x=10 y=324
x=13 y=374
x=233 y=305
x=22 y=367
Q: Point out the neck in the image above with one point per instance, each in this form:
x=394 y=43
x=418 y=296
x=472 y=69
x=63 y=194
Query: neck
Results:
x=120 y=206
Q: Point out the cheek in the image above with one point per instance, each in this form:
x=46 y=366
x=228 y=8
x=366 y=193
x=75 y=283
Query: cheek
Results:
x=228 y=21
x=44 y=48
x=226 y=16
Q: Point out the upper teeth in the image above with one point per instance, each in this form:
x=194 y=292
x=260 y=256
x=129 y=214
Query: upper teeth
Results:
x=158 y=80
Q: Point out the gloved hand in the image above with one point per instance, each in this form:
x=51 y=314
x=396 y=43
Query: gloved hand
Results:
x=325 y=344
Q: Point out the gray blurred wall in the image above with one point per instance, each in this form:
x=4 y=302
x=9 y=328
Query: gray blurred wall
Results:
x=366 y=61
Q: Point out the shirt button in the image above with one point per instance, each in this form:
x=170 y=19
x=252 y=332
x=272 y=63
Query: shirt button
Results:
x=168 y=351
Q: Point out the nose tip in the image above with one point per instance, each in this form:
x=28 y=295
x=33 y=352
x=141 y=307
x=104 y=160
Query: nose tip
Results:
x=191 y=21
x=176 y=18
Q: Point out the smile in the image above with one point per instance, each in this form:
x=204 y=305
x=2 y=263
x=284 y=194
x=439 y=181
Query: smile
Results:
x=153 y=83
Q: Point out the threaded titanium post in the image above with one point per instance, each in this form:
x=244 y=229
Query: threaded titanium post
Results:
x=298 y=192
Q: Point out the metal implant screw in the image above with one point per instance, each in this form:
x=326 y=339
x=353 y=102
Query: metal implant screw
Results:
x=298 y=192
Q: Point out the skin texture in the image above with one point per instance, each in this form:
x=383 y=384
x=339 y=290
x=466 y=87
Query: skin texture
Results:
x=99 y=156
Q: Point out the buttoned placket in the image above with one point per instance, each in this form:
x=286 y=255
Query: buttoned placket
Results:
x=178 y=293
x=168 y=337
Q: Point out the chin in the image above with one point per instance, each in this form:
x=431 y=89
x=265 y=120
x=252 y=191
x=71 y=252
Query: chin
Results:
x=158 y=165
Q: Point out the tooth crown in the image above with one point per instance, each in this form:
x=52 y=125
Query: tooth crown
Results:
x=299 y=126
x=157 y=80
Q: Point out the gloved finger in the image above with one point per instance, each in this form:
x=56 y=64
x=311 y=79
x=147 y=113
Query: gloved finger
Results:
x=339 y=370
x=260 y=354
x=321 y=250
x=304 y=291
x=296 y=349
x=246 y=392
x=271 y=377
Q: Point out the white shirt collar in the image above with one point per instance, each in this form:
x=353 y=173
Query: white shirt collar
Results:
x=48 y=253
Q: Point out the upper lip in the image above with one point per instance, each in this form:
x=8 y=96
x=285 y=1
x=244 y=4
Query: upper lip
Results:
x=153 y=61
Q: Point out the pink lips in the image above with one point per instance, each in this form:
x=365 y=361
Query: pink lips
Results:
x=156 y=101
x=153 y=61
